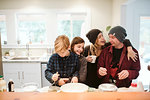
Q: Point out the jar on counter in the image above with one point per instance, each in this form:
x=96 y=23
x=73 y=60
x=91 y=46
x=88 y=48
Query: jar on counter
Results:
x=11 y=85
x=2 y=84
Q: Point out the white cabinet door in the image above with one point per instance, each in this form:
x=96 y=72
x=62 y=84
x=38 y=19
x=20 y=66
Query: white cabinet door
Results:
x=11 y=71
x=31 y=73
x=22 y=73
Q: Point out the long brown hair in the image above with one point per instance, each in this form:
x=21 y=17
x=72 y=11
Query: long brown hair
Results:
x=94 y=49
x=76 y=40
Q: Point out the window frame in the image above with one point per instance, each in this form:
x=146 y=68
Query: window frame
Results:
x=51 y=30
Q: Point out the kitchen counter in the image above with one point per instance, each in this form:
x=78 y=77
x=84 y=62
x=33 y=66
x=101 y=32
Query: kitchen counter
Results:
x=25 y=60
x=75 y=96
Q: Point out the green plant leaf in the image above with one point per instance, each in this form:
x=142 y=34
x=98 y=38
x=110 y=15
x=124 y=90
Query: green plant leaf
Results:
x=108 y=28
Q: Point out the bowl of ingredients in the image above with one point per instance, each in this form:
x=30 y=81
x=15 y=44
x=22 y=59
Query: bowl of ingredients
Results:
x=107 y=87
x=74 y=87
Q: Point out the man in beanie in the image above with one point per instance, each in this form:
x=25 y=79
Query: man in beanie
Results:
x=113 y=64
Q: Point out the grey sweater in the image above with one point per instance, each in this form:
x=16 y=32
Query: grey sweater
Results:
x=82 y=69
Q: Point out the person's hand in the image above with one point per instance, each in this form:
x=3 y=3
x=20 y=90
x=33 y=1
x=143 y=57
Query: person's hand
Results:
x=62 y=81
x=89 y=59
x=123 y=74
x=55 y=76
x=131 y=54
x=102 y=71
x=74 y=80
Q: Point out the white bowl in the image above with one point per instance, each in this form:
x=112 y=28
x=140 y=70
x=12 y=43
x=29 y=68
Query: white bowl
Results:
x=107 y=87
x=74 y=87
x=44 y=89
x=29 y=87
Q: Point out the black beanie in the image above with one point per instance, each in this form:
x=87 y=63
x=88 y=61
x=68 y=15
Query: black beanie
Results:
x=92 y=35
x=119 y=32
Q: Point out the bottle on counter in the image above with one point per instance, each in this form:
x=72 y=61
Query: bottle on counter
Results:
x=11 y=85
x=2 y=84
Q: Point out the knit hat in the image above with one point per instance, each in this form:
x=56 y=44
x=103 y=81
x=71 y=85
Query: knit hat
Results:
x=92 y=35
x=119 y=32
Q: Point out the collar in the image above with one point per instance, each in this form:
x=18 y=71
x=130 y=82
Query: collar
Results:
x=111 y=49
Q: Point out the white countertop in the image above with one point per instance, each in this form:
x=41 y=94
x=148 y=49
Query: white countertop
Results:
x=24 y=59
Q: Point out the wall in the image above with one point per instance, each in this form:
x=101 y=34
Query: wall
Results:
x=116 y=11
x=130 y=18
x=103 y=12
x=100 y=9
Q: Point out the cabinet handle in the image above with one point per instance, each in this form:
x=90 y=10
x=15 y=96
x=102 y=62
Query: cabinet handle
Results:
x=22 y=75
x=19 y=75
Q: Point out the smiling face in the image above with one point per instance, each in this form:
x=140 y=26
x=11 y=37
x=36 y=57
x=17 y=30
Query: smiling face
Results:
x=114 y=41
x=100 y=40
x=78 y=48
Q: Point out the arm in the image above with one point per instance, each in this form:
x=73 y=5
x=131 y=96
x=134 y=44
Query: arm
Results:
x=86 y=50
x=50 y=70
x=83 y=69
x=135 y=68
x=102 y=71
x=131 y=54
x=76 y=73
x=131 y=73
x=87 y=54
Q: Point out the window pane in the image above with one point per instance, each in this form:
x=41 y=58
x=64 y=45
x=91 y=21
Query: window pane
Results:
x=70 y=24
x=64 y=28
x=144 y=50
x=31 y=28
x=77 y=25
x=3 y=29
x=145 y=38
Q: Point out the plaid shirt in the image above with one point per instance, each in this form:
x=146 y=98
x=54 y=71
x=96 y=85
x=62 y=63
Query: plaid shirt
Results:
x=67 y=66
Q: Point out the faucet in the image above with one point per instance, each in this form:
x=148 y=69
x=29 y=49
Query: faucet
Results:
x=27 y=48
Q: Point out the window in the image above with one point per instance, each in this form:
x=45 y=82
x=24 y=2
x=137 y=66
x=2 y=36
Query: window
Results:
x=70 y=24
x=145 y=38
x=31 y=28
x=3 y=29
x=144 y=50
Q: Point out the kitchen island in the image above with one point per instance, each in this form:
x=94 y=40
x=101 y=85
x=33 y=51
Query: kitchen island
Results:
x=75 y=96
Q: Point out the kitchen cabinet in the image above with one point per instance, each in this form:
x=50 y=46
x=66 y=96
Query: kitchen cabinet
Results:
x=22 y=72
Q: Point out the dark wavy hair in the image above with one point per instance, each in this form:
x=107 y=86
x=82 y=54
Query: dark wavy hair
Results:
x=76 y=40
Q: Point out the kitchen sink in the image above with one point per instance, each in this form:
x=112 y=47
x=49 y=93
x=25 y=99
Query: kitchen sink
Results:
x=19 y=58
x=25 y=58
